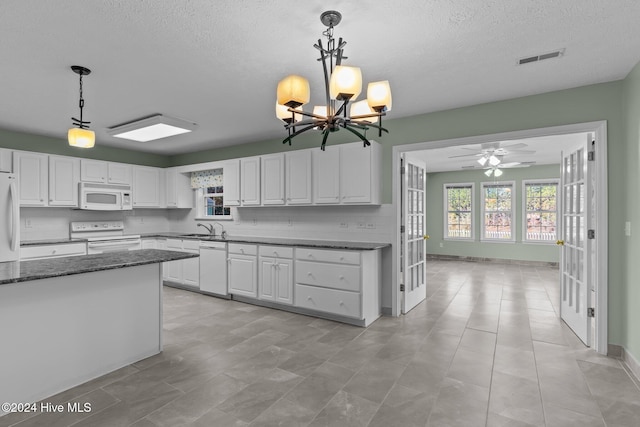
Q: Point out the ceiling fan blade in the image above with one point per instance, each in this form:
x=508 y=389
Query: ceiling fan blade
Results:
x=520 y=152
x=514 y=146
x=467 y=155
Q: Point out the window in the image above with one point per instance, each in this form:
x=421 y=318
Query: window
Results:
x=497 y=211
x=458 y=201
x=210 y=194
x=540 y=210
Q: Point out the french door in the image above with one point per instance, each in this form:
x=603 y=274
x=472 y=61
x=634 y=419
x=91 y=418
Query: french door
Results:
x=413 y=234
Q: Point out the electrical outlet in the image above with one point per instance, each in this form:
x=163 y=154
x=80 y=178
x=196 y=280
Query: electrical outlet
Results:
x=441 y=245
x=344 y=225
x=28 y=223
x=370 y=225
x=627 y=228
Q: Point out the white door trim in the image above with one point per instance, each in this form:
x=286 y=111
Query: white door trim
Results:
x=602 y=235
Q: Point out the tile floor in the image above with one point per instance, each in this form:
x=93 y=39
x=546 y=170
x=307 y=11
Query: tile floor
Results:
x=485 y=349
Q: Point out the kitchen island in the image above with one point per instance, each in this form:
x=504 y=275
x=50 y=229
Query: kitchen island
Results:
x=65 y=321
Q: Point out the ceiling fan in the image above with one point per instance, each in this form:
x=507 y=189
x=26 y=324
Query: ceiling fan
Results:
x=492 y=153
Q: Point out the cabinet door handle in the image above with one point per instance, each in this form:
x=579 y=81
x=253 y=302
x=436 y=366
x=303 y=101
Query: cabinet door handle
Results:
x=341 y=303
x=309 y=274
x=308 y=298
x=309 y=255
x=341 y=277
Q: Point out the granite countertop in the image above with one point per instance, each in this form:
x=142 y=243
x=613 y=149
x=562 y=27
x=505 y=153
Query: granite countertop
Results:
x=276 y=241
x=22 y=271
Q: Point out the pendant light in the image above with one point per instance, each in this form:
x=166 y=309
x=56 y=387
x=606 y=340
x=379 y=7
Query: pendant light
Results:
x=81 y=136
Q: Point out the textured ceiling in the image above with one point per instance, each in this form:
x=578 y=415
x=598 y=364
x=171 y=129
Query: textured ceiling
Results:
x=217 y=63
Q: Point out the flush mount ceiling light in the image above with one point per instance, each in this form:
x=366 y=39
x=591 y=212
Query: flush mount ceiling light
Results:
x=342 y=84
x=151 y=128
x=81 y=136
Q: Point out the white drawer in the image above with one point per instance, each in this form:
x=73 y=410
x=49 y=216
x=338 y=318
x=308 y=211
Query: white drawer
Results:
x=243 y=249
x=337 y=276
x=52 y=251
x=333 y=301
x=174 y=244
x=276 y=251
x=323 y=255
x=191 y=245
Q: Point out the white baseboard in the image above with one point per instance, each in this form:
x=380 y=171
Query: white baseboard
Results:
x=632 y=364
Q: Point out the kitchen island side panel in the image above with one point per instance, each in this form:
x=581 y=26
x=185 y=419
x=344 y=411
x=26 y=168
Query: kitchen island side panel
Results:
x=59 y=332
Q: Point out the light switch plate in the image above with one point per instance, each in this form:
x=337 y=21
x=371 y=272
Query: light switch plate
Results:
x=627 y=228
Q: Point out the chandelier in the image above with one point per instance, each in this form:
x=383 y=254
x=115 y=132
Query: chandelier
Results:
x=81 y=136
x=342 y=84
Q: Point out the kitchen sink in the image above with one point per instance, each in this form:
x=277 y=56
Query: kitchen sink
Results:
x=203 y=236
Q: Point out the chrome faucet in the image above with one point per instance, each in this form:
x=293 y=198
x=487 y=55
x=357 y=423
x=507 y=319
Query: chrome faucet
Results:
x=223 y=233
x=208 y=227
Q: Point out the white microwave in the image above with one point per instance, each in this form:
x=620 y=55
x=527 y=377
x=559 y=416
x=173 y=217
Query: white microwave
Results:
x=104 y=197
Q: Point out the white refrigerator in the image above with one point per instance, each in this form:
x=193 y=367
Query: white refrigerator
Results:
x=9 y=218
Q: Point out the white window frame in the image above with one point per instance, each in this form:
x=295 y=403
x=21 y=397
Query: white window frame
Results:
x=445 y=194
x=483 y=186
x=200 y=196
x=526 y=182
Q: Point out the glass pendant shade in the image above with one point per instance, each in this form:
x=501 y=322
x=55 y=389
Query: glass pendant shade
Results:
x=283 y=113
x=488 y=172
x=361 y=108
x=379 y=95
x=494 y=161
x=345 y=83
x=497 y=172
x=293 y=91
x=82 y=138
x=483 y=160
x=320 y=110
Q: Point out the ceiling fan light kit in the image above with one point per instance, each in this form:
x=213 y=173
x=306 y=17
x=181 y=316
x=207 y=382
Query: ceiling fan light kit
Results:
x=343 y=84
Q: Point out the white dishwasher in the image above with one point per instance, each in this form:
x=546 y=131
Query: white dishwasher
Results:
x=213 y=268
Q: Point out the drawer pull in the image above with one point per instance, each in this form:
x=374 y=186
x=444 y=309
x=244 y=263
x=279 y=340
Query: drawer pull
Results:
x=309 y=298
x=241 y=250
x=341 y=258
x=341 y=303
x=309 y=274
x=341 y=277
x=54 y=251
x=310 y=255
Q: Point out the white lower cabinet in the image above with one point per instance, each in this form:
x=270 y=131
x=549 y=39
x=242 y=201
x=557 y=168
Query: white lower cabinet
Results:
x=242 y=269
x=275 y=281
x=184 y=272
x=337 y=284
x=157 y=243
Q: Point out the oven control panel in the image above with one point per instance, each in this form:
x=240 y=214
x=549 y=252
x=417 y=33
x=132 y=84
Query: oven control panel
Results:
x=81 y=226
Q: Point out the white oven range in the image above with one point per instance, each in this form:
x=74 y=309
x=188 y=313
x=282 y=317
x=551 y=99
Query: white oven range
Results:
x=104 y=236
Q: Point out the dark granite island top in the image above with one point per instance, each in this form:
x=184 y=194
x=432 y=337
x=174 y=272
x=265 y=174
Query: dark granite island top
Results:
x=22 y=271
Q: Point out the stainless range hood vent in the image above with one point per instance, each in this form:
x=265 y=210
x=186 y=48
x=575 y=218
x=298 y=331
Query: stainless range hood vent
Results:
x=555 y=54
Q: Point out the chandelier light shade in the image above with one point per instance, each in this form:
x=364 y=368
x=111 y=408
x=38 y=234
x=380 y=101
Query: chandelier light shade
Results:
x=293 y=91
x=343 y=85
x=379 y=96
x=283 y=114
x=494 y=161
x=80 y=136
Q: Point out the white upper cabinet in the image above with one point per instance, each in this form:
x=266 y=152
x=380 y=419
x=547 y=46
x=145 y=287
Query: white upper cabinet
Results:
x=178 y=189
x=5 y=160
x=250 y=181
x=272 y=182
x=93 y=170
x=298 y=177
x=31 y=171
x=105 y=172
x=360 y=174
x=119 y=173
x=147 y=182
x=64 y=175
x=326 y=175
x=231 y=182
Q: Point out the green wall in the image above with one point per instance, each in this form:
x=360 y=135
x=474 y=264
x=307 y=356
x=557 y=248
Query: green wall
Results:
x=49 y=145
x=628 y=299
x=513 y=251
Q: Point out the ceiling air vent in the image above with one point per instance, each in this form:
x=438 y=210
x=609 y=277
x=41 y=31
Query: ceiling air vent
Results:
x=555 y=54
